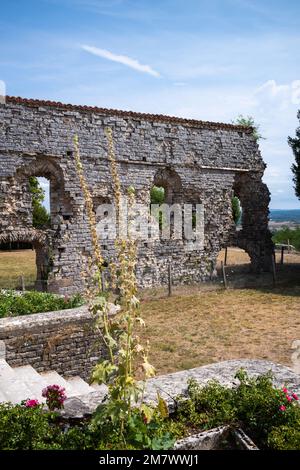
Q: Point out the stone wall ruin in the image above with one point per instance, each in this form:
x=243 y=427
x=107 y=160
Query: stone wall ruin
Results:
x=195 y=161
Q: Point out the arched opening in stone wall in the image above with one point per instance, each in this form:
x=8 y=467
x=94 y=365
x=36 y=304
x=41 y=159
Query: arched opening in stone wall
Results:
x=40 y=202
x=24 y=260
x=235 y=258
x=169 y=181
x=167 y=191
x=42 y=211
x=252 y=234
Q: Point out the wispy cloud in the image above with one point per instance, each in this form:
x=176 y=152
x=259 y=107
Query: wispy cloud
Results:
x=121 y=59
x=288 y=93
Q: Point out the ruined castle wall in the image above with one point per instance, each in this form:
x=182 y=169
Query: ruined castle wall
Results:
x=209 y=160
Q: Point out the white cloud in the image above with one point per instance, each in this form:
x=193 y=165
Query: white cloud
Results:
x=122 y=59
x=286 y=94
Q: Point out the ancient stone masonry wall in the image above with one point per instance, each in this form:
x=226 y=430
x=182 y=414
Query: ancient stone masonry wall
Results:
x=64 y=341
x=196 y=162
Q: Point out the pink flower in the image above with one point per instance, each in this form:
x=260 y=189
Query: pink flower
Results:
x=295 y=396
x=55 y=396
x=31 y=403
x=288 y=398
x=282 y=408
x=285 y=390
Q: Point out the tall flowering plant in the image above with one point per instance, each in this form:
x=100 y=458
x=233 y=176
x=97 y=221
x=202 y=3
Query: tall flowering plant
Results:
x=125 y=354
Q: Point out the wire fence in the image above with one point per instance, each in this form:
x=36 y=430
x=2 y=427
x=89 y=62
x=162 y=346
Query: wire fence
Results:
x=23 y=283
x=284 y=254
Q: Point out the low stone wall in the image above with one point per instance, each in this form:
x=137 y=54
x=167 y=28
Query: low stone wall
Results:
x=64 y=341
x=169 y=386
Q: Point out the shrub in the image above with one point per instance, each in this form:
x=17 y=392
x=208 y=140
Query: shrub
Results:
x=285 y=438
x=14 y=303
x=286 y=235
x=261 y=409
x=27 y=428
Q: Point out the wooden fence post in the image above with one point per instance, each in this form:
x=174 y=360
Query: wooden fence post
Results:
x=224 y=275
x=225 y=257
x=282 y=255
x=169 y=280
x=22 y=283
x=273 y=269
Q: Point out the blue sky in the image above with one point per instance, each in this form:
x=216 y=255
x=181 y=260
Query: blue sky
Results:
x=201 y=59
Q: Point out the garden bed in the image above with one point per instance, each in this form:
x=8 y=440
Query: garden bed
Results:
x=253 y=414
x=14 y=303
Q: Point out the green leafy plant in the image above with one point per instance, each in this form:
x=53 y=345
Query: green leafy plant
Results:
x=27 y=428
x=40 y=215
x=261 y=409
x=157 y=195
x=13 y=303
x=294 y=143
x=287 y=235
x=248 y=121
x=236 y=210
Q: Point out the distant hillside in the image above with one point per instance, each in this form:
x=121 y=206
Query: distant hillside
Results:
x=281 y=215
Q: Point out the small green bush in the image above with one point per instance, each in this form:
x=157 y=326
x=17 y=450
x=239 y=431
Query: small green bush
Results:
x=14 y=303
x=261 y=409
x=23 y=428
x=286 y=235
x=285 y=438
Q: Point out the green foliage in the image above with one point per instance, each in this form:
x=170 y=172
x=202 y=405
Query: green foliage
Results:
x=23 y=428
x=143 y=428
x=206 y=407
x=248 y=121
x=236 y=210
x=294 y=143
x=269 y=415
x=287 y=234
x=14 y=303
x=40 y=216
x=157 y=195
x=285 y=438
x=255 y=405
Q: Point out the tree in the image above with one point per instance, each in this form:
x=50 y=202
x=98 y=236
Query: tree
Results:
x=40 y=215
x=157 y=195
x=236 y=209
x=249 y=122
x=294 y=143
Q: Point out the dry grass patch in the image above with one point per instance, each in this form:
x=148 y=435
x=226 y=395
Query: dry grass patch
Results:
x=236 y=256
x=15 y=263
x=193 y=330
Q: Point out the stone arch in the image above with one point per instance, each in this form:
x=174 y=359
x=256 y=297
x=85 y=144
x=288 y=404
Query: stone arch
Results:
x=41 y=244
x=171 y=182
x=254 y=236
x=47 y=167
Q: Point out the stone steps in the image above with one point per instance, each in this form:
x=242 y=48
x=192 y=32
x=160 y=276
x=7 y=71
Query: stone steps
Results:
x=11 y=386
x=21 y=383
x=33 y=380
